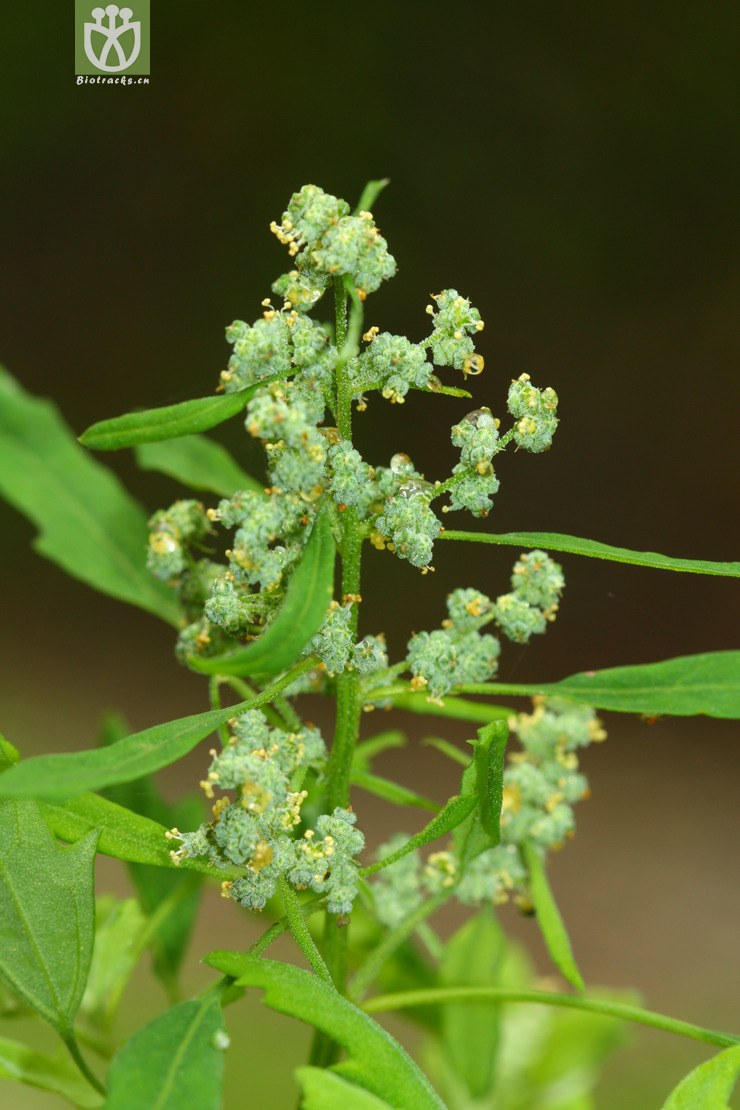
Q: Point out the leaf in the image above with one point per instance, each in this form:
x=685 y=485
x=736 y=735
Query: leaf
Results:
x=175 y=1059
x=197 y=462
x=550 y=921
x=58 y=777
x=446 y=748
x=9 y=754
x=323 y=1089
x=302 y=612
x=458 y=709
x=484 y=781
x=123 y=834
x=376 y=1061
x=370 y=194
x=47 y=914
x=392 y=791
x=449 y=817
x=470 y=1030
x=170 y=421
x=709 y=1086
x=120 y=933
x=153 y=885
x=446 y=390
x=553 y=541
x=367 y=750
x=57 y=1075
x=87 y=522
x=687 y=685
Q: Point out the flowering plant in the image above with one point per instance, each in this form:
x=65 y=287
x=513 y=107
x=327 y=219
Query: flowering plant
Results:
x=247 y=578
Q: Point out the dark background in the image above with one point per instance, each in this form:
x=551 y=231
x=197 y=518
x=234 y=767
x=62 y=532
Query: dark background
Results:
x=574 y=170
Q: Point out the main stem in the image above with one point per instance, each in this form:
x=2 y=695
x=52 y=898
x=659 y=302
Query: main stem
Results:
x=349 y=705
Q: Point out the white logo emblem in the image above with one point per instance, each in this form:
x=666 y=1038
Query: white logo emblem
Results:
x=106 y=38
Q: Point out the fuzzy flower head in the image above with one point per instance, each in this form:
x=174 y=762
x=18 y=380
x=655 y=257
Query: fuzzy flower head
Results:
x=535 y=413
x=454 y=322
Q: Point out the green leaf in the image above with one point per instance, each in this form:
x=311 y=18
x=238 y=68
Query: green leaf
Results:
x=9 y=754
x=553 y=541
x=392 y=792
x=452 y=814
x=123 y=834
x=683 y=687
x=446 y=390
x=323 y=1089
x=306 y=601
x=175 y=1059
x=47 y=914
x=446 y=748
x=58 y=777
x=470 y=1030
x=484 y=781
x=49 y=1073
x=367 y=750
x=709 y=1086
x=87 y=522
x=198 y=463
x=120 y=933
x=376 y=1061
x=458 y=709
x=550 y=921
x=370 y=194
x=170 y=421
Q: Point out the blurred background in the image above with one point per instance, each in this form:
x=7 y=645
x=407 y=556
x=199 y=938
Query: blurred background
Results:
x=571 y=168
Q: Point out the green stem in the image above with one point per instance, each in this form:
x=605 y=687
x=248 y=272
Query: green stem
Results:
x=393 y=940
x=245 y=691
x=281 y=926
x=215 y=699
x=621 y=1010
x=457 y=708
x=340 y=313
x=299 y=929
x=79 y=1059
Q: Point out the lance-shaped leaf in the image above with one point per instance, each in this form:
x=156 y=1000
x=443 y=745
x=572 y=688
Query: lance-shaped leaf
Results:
x=301 y=614
x=58 y=777
x=323 y=1089
x=685 y=686
x=87 y=522
x=392 y=792
x=197 y=462
x=55 y=1074
x=123 y=834
x=452 y=814
x=169 y=422
x=458 y=709
x=370 y=194
x=120 y=937
x=47 y=914
x=553 y=541
x=709 y=1086
x=550 y=920
x=376 y=1061
x=177 y=1060
x=484 y=779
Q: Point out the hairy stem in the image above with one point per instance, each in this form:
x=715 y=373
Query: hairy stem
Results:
x=299 y=929
x=621 y=1010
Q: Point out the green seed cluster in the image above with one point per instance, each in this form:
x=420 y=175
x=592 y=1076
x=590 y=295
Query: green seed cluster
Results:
x=537 y=583
x=458 y=652
x=455 y=322
x=256 y=830
x=542 y=783
x=534 y=411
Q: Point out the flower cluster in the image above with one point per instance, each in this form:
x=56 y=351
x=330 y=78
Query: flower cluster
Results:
x=455 y=321
x=326 y=241
x=458 y=652
x=474 y=481
x=541 y=785
x=391 y=364
x=172 y=532
x=537 y=583
x=256 y=830
x=534 y=411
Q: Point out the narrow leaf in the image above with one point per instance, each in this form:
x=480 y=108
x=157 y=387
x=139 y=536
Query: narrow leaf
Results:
x=55 y=778
x=709 y=1086
x=306 y=601
x=177 y=1059
x=685 y=686
x=323 y=1089
x=197 y=462
x=392 y=791
x=123 y=834
x=446 y=748
x=47 y=914
x=553 y=541
x=458 y=709
x=484 y=780
x=446 y=390
x=449 y=817
x=168 y=422
x=58 y=1075
x=376 y=1061
x=550 y=921
x=120 y=933
x=370 y=194
x=367 y=750
x=87 y=522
